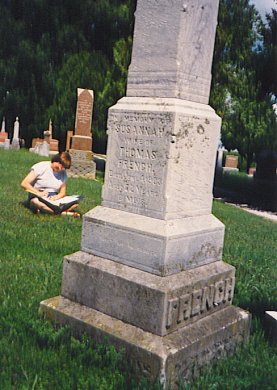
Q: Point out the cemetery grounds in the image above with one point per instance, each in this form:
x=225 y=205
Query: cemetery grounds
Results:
x=34 y=355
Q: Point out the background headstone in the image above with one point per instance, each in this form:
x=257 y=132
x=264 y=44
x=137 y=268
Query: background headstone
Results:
x=3 y=126
x=231 y=162
x=15 y=140
x=81 y=142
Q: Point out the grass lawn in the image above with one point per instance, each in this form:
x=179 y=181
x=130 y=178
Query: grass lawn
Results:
x=34 y=355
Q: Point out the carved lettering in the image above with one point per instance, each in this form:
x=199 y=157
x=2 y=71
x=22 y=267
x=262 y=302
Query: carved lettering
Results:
x=184 y=307
x=219 y=292
x=172 y=311
x=196 y=302
x=137 y=166
x=199 y=301
x=208 y=298
x=229 y=289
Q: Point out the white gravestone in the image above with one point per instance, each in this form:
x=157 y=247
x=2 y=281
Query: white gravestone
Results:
x=3 y=127
x=150 y=273
x=15 y=140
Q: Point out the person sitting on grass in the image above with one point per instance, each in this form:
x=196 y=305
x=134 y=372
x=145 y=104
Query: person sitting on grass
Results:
x=48 y=179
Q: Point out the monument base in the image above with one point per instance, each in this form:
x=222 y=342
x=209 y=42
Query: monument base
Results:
x=152 y=245
x=170 y=359
x=15 y=144
x=84 y=169
x=82 y=164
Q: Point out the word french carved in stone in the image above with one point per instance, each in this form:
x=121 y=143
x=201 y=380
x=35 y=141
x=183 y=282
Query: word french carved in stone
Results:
x=199 y=301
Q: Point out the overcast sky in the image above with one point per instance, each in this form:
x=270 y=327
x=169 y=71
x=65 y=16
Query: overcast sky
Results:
x=264 y=6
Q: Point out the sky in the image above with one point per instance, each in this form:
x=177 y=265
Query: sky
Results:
x=264 y=6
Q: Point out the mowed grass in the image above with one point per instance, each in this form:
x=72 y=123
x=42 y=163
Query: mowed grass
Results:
x=34 y=355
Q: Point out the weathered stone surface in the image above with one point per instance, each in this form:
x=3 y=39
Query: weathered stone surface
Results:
x=81 y=168
x=169 y=359
x=156 y=211
x=79 y=142
x=156 y=304
x=3 y=136
x=161 y=157
x=271 y=325
x=83 y=113
x=172 y=49
x=153 y=245
x=84 y=155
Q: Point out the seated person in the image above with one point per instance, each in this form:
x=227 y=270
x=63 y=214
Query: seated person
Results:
x=48 y=178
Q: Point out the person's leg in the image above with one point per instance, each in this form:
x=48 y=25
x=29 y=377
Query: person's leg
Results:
x=72 y=208
x=36 y=206
x=70 y=211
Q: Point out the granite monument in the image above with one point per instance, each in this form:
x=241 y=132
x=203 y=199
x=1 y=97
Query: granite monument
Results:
x=150 y=274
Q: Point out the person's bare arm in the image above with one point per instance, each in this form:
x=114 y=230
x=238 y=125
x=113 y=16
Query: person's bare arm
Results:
x=27 y=184
x=61 y=193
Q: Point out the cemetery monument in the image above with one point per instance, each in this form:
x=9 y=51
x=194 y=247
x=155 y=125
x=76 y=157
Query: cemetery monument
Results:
x=48 y=137
x=15 y=139
x=150 y=274
x=4 y=136
x=81 y=142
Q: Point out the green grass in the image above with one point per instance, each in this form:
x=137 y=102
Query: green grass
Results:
x=34 y=355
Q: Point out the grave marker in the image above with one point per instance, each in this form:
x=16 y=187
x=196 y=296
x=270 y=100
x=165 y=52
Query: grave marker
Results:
x=231 y=163
x=150 y=273
x=15 y=140
x=81 y=142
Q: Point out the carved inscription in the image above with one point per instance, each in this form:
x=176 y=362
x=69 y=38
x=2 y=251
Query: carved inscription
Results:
x=140 y=142
x=84 y=113
x=182 y=308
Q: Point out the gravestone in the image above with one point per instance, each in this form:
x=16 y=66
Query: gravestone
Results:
x=15 y=140
x=271 y=325
x=4 y=136
x=48 y=137
x=69 y=135
x=231 y=163
x=82 y=164
x=3 y=126
x=150 y=274
x=42 y=148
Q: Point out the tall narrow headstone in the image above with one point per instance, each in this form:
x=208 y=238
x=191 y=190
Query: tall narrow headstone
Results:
x=48 y=137
x=81 y=142
x=150 y=273
x=15 y=140
x=3 y=126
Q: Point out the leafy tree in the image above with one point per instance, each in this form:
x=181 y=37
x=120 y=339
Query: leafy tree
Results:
x=248 y=122
x=41 y=40
x=267 y=58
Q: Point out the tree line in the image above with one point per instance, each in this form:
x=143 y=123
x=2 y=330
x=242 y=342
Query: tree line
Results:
x=51 y=47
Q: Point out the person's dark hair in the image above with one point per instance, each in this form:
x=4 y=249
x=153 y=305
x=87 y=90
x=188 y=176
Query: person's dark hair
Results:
x=62 y=158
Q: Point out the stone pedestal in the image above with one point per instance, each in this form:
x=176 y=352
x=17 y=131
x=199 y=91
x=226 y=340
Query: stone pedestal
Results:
x=15 y=144
x=82 y=164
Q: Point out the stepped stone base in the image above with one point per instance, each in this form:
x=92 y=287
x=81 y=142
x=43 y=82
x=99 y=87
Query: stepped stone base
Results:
x=156 y=304
x=152 y=245
x=169 y=359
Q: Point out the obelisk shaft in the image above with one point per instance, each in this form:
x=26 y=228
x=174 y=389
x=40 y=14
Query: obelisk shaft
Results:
x=172 y=49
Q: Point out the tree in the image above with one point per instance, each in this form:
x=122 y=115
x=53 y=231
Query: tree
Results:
x=267 y=58
x=41 y=40
x=248 y=122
